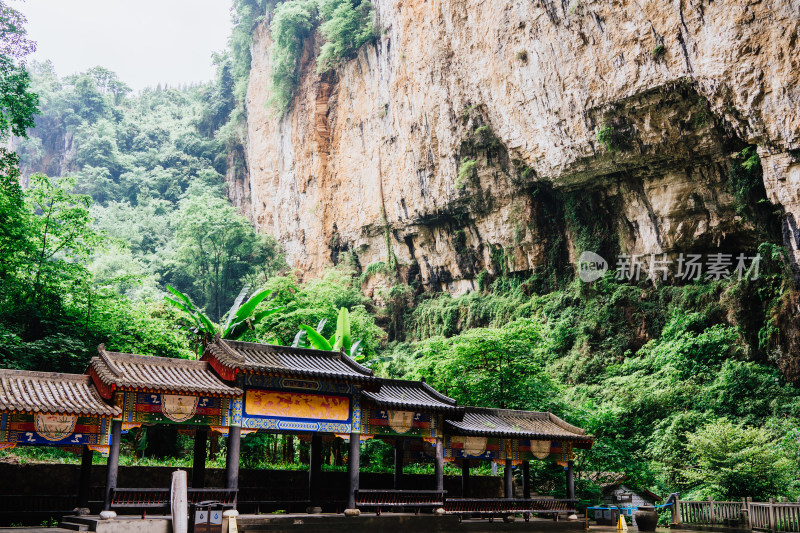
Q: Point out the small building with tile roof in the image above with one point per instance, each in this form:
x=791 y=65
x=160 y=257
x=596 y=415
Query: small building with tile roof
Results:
x=403 y=408
x=230 y=358
x=53 y=409
x=161 y=390
x=293 y=389
x=500 y=434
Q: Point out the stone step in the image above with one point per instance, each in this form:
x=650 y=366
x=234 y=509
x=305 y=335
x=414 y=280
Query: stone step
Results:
x=73 y=526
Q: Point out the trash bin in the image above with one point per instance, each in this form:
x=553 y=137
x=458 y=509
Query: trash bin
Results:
x=606 y=516
x=206 y=517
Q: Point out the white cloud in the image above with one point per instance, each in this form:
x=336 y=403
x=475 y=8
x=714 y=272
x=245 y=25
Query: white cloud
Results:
x=145 y=42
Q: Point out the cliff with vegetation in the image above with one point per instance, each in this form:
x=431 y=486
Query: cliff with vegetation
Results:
x=475 y=137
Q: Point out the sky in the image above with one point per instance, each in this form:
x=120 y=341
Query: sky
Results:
x=146 y=42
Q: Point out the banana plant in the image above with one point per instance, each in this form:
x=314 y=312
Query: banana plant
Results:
x=241 y=317
x=342 y=340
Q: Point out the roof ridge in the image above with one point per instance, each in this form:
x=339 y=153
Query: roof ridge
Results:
x=277 y=347
x=227 y=348
x=156 y=360
x=78 y=378
x=331 y=354
x=542 y=415
x=565 y=425
x=104 y=356
x=355 y=365
x=438 y=395
x=424 y=385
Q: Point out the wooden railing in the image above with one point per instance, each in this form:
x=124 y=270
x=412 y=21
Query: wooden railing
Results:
x=776 y=517
x=709 y=512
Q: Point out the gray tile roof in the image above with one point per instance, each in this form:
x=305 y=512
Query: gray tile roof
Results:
x=47 y=392
x=413 y=395
x=480 y=421
x=142 y=372
x=288 y=361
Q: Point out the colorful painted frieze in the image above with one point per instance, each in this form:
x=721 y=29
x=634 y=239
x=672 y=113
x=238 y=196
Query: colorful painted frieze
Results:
x=159 y=390
x=50 y=409
x=292 y=389
x=395 y=422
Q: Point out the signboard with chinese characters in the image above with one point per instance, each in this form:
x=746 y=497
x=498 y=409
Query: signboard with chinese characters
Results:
x=155 y=408
x=281 y=404
x=42 y=429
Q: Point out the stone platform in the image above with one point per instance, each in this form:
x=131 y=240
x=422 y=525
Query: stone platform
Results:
x=367 y=523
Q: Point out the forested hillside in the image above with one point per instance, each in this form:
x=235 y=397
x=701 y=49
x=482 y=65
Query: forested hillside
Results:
x=688 y=386
x=125 y=196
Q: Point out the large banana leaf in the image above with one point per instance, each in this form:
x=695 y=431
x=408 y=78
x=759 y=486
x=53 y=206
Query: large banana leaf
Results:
x=299 y=338
x=185 y=304
x=250 y=305
x=356 y=349
x=186 y=310
x=237 y=303
x=181 y=296
x=264 y=314
x=317 y=341
x=210 y=328
x=343 y=338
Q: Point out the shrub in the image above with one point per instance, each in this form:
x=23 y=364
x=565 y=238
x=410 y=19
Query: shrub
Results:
x=465 y=172
x=348 y=26
x=605 y=135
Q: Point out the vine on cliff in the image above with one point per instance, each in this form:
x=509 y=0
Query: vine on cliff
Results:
x=346 y=25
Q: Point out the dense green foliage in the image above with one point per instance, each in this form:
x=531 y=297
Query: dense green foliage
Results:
x=135 y=201
x=18 y=103
x=124 y=195
x=345 y=25
x=652 y=371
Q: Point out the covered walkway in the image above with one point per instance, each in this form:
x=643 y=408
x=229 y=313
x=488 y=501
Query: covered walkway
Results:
x=240 y=388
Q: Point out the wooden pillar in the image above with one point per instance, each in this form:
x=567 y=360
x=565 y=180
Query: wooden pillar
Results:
x=398 y=462
x=113 y=462
x=526 y=480
x=570 y=481
x=439 y=464
x=315 y=469
x=353 y=466
x=85 y=478
x=232 y=457
x=676 y=508
x=199 y=459
x=508 y=478
x=464 y=478
x=772 y=520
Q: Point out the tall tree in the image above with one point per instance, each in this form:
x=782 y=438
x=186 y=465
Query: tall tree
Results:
x=18 y=103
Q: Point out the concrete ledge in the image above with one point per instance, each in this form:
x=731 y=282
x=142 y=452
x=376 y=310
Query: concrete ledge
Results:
x=723 y=529
x=124 y=524
x=394 y=523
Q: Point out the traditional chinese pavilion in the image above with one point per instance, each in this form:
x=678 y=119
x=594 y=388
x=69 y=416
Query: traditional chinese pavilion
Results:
x=514 y=437
x=159 y=390
x=409 y=413
x=49 y=409
x=289 y=389
x=240 y=387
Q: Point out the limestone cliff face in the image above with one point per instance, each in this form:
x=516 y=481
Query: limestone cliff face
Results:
x=513 y=93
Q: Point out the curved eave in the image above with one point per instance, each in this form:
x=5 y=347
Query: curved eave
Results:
x=105 y=412
x=472 y=432
x=368 y=382
x=452 y=412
